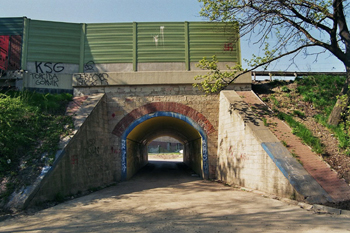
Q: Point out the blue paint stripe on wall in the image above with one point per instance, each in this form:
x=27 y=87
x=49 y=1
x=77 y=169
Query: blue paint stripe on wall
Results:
x=297 y=176
x=277 y=152
x=167 y=114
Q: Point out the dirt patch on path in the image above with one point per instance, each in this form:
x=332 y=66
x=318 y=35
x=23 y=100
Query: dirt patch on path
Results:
x=164 y=197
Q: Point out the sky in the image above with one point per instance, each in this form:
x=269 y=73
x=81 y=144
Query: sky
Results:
x=113 y=11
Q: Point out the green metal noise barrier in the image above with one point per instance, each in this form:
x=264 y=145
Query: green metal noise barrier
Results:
x=103 y=43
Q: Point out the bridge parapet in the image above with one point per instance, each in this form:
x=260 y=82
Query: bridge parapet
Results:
x=144 y=78
x=58 y=83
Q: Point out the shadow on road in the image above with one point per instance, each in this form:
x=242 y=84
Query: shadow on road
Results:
x=159 y=174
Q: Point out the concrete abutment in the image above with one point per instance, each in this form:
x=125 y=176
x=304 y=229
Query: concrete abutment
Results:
x=221 y=136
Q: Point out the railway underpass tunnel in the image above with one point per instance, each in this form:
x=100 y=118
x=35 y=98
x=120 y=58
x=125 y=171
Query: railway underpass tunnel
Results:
x=151 y=126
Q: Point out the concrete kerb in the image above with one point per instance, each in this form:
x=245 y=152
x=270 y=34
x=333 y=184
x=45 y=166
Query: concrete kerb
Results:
x=22 y=198
x=325 y=209
x=316 y=208
x=322 y=209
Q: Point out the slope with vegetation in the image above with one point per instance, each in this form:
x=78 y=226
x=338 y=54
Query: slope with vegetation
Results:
x=305 y=104
x=31 y=126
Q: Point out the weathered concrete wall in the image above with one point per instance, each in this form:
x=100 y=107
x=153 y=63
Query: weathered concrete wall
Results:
x=149 y=78
x=125 y=100
x=85 y=162
x=48 y=82
x=194 y=159
x=250 y=155
x=122 y=100
x=136 y=157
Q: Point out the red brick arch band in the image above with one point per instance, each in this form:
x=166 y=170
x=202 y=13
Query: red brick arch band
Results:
x=193 y=114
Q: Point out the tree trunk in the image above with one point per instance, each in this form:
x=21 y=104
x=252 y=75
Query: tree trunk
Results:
x=342 y=103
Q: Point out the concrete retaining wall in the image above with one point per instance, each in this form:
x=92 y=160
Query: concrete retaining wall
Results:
x=194 y=160
x=137 y=157
x=138 y=100
x=250 y=155
x=85 y=163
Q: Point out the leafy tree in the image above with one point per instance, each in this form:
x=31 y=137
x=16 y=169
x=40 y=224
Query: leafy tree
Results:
x=297 y=25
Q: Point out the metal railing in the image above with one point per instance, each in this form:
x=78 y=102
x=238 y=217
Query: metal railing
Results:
x=293 y=74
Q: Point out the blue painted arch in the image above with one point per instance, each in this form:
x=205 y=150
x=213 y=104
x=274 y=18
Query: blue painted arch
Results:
x=146 y=117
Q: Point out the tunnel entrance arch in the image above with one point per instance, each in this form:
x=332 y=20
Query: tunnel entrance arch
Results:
x=173 y=119
x=172 y=110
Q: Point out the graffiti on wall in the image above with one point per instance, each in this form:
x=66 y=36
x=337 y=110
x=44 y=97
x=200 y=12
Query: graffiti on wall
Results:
x=15 y=52
x=228 y=47
x=92 y=79
x=74 y=159
x=92 y=149
x=48 y=67
x=124 y=158
x=205 y=156
x=45 y=79
x=10 y=52
x=4 y=47
x=160 y=37
x=89 y=66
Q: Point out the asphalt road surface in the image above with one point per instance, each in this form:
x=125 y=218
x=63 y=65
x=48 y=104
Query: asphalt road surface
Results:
x=168 y=197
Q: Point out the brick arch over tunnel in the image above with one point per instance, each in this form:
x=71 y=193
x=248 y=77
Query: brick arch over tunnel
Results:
x=157 y=110
x=150 y=108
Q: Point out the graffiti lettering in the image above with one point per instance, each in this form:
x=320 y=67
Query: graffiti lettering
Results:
x=228 y=47
x=92 y=149
x=15 y=53
x=205 y=157
x=45 y=79
x=4 y=45
x=48 y=67
x=89 y=66
x=92 y=79
x=124 y=156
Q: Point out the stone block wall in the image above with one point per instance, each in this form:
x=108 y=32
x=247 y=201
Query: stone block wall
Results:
x=123 y=100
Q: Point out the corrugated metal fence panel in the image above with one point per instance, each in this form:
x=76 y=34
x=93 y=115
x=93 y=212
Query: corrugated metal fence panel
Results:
x=109 y=43
x=208 y=39
x=54 y=42
x=11 y=26
x=123 y=42
x=160 y=42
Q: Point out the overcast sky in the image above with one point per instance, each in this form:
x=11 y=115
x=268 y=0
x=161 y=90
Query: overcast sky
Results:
x=101 y=11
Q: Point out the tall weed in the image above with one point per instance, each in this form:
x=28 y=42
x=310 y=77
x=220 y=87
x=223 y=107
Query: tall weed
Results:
x=30 y=124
